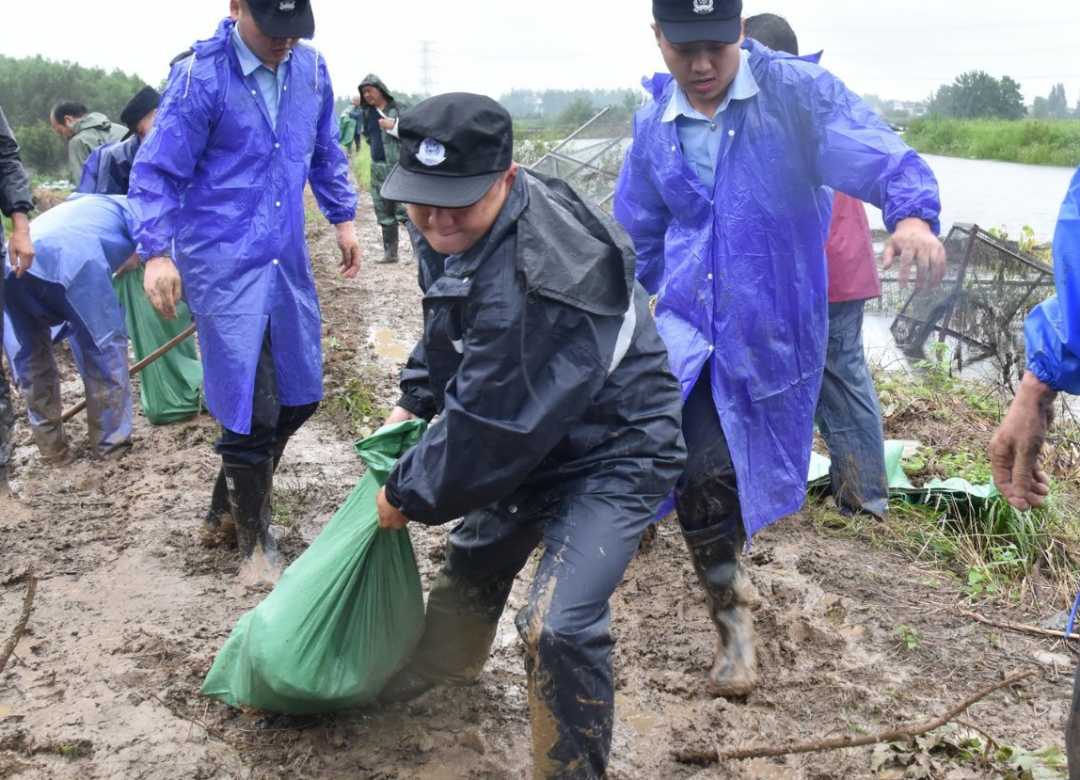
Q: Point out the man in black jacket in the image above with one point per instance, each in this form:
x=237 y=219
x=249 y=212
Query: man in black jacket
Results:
x=15 y=203
x=559 y=421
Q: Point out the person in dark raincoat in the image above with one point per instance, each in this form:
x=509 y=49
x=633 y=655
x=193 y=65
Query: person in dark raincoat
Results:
x=16 y=254
x=720 y=193
x=379 y=112
x=848 y=410
x=1052 y=340
x=217 y=189
x=558 y=421
x=81 y=244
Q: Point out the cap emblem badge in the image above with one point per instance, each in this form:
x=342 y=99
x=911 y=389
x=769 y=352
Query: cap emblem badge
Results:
x=703 y=6
x=290 y=5
x=431 y=152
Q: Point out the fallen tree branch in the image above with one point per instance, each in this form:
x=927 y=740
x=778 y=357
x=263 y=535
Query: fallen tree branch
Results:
x=1019 y=627
x=892 y=735
x=24 y=618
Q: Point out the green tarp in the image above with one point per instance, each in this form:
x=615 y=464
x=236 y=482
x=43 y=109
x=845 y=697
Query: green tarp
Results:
x=343 y=617
x=170 y=388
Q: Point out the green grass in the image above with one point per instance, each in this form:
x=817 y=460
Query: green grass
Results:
x=360 y=164
x=354 y=405
x=1034 y=141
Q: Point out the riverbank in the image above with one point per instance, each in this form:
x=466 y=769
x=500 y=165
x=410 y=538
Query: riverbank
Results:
x=1030 y=141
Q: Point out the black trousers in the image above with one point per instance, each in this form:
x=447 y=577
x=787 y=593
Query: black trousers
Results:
x=706 y=495
x=7 y=420
x=271 y=423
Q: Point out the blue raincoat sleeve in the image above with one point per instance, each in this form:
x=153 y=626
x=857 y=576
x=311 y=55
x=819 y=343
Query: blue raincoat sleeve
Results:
x=170 y=153
x=861 y=156
x=329 y=174
x=1052 y=330
x=640 y=209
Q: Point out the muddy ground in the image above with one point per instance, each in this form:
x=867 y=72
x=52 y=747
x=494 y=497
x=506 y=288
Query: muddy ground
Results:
x=130 y=610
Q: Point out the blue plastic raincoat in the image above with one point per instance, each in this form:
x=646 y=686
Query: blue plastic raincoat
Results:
x=1052 y=330
x=220 y=189
x=741 y=272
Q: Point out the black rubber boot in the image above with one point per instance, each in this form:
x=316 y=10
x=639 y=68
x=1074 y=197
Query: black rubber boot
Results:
x=390 y=244
x=715 y=553
x=459 y=628
x=218 y=526
x=251 y=491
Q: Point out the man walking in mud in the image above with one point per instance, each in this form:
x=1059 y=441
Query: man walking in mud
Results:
x=1052 y=339
x=558 y=421
x=379 y=112
x=247 y=119
x=720 y=193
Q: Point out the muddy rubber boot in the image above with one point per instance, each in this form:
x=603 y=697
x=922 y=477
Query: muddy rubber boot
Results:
x=458 y=633
x=251 y=491
x=218 y=527
x=279 y=450
x=716 y=561
x=390 y=244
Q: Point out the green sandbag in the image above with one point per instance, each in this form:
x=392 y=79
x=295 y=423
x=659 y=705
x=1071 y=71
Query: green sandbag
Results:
x=343 y=617
x=170 y=387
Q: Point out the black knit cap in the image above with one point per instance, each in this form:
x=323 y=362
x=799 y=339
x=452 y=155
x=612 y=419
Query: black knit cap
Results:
x=145 y=101
x=453 y=148
x=283 y=18
x=685 y=21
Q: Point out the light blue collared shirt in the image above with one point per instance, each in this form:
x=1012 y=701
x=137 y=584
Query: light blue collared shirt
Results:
x=269 y=82
x=699 y=135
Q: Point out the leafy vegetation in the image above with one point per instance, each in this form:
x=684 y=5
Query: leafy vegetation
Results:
x=1034 y=141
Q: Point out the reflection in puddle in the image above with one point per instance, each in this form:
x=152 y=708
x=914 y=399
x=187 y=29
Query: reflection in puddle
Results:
x=387 y=346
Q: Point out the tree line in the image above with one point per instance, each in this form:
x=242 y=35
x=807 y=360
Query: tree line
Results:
x=30 y=86
x=978 y=95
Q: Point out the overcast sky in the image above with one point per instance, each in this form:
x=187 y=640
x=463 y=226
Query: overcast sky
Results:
x=895 y=50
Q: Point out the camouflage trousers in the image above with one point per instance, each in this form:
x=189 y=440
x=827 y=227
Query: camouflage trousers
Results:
x=388 y=212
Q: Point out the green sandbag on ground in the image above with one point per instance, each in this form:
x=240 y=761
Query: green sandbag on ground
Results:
x=343 y=617
x=169 y=388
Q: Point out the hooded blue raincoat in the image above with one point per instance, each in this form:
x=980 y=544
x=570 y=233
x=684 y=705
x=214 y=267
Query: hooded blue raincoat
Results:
x=740 y=271
x=216 y=186
x=1052 y=330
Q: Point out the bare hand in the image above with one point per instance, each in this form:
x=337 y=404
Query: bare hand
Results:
x=350 y=248
x=1017 y=444
x=162 y=286
x=386 y=123
x=20 y=248
x=129 y=265
x=399 y=414
x=389 y=516
x=916 y=244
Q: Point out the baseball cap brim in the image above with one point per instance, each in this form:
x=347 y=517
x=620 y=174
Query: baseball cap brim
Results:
x=722 y=30
x=298 y=24
x=426 y=189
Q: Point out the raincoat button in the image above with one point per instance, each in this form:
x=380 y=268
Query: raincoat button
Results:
x=673 y=147
x=275 y=263
x=731 y=132
x=712 y=125
x=253 y=92
x=430 y=314
x=711 y=348
x=464 y=279
x=513 y=509
x=277 y=146
x=286 y=88
x=277 y=203
x=710 y=276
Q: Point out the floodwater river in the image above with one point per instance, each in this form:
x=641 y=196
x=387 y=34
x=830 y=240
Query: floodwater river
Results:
x=994 y=194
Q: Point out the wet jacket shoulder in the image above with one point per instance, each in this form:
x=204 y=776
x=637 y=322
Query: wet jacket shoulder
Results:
x=108 y=169
x=541 y=359
x=14 y=183
x=90 y=132
x=1052 y=330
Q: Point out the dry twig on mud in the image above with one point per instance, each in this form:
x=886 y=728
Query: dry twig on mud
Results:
x=909 y=731
x=24 y=618
x=1019 y=627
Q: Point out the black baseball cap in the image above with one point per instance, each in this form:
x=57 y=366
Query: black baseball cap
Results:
x=145 y=101
x=283 y=18
x=685 y=21
x=453 y=148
